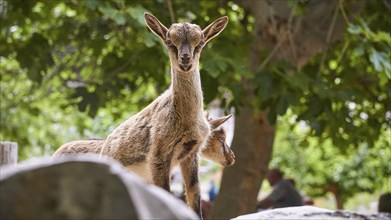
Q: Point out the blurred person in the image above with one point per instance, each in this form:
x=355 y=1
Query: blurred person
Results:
x=306 y=200
x=284 y=193
x=292 y=181
x=212 y=191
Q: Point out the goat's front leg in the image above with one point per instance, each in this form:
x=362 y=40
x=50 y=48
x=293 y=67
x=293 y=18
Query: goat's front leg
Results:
x=189 y=169
x=160 y=169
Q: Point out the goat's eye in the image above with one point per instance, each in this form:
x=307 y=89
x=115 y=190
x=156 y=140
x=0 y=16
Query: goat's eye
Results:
x=169 y=43
x=222 y=139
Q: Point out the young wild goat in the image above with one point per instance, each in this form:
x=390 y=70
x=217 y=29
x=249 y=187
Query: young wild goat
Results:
x=216 y=149
x=172 y=129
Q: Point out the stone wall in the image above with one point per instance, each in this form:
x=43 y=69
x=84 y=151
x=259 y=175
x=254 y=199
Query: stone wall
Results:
x=83 y=188
x=310 y=212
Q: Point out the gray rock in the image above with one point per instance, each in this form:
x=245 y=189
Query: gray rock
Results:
x=311 y=212
x=83 y=188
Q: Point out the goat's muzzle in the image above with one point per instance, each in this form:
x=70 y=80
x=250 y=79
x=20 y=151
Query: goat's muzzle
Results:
x=185 y=67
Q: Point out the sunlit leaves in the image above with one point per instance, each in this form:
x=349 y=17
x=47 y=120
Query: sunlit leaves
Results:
x=381 y=62
x=92 y=4
x=375 y=44
x=356 y=75
x=316 y=164
x=339 y=133
x=112 y=13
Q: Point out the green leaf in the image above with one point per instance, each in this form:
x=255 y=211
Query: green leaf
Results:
x=149 y=39
x=282 y=104
x=272 y=116
x=119 y=18
x=376 y=59
x=92 y=4
x=354 y=29
x=35 y=56
x=107 y=10
x=137 y=13
x=266 y=86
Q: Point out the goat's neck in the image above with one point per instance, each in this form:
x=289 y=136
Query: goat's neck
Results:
x=187 y=92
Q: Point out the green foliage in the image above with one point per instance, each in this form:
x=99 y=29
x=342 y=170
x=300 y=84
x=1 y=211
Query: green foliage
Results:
x=345 y=97
x=337 y=133
x=320 y=167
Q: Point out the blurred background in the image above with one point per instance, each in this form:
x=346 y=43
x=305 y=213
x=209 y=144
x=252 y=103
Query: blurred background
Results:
x=309 y=83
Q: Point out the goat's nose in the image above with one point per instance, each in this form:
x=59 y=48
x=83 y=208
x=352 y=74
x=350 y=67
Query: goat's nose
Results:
x=185 y=57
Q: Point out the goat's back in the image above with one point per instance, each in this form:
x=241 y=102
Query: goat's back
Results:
x=80 y=147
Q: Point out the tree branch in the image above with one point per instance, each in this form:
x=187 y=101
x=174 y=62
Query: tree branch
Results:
x=279 y=41
x=289 y=33
x=271 y=54
x=328 y=37
x=170 y=9
x=343 y=12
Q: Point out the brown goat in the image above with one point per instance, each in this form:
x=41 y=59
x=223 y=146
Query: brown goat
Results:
x=172 y=129
x=216 y=149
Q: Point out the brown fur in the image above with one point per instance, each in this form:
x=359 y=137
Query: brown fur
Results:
x=80 y=147
x=172 y=129
x=216 y=149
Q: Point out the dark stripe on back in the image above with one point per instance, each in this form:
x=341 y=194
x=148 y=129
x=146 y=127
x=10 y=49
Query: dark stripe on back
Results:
x=95 y=139
x=188 y=147
x=127 y=161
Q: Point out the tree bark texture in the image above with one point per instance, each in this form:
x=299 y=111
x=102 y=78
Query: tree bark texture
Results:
x=339 y=201
x=289 y=37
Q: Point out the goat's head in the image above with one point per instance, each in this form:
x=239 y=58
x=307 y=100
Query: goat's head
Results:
x=216 y=148
x=185 y=41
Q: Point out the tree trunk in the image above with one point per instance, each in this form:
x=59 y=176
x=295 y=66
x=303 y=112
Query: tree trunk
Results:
x=339 y=200
x=252 y=144
x=8 y=153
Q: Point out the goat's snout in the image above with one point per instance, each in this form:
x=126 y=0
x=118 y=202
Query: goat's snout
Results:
x=185 y=58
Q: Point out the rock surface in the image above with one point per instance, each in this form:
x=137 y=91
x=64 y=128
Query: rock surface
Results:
x=83 y=188
x=310 y=212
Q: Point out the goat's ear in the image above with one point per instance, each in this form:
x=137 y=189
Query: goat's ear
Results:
x=215 y=28
x=155 y=26
x=215 y=123
x=206 y=114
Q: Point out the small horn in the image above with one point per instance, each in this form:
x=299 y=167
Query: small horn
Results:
x=215 y=123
